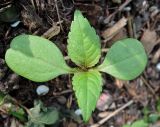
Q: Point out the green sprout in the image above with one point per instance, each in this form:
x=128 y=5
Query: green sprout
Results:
x=39 y=60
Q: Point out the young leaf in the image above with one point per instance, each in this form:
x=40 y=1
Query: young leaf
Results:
x=83 y=43
x=35 y=58
x=17 y=112
x=140 y=123
x=40 y=117
x=153 y=118
x=87 y=87
x=125 y=60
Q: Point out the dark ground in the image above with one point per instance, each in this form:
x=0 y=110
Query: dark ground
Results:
x=38 y=16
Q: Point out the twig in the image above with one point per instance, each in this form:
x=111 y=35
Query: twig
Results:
x=148 y=85
x=112 y=114
x=59 y=19
x=105 y=50
x=32 y=2
x=124 y=4
x=51 y=32
x=130 y=24
x=117 y=10
x=134 y=31
x=110 y=32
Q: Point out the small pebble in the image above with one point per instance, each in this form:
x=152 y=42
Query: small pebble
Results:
x=158 y=67
x=42 y=90
x=15 y=24
x=127 y=8
x=78 y=112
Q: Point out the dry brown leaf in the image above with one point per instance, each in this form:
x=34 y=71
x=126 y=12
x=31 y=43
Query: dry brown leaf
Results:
x=119 y=83
x=110 y=32
x=132 y=90
x=149 y=40
x=120 y=35
x=53 y=31
x=104 y=114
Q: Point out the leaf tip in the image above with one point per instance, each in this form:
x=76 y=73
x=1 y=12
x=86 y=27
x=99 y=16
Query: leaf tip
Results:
x=77 y=12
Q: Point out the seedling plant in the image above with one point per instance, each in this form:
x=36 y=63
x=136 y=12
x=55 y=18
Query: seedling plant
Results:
x=39 y=60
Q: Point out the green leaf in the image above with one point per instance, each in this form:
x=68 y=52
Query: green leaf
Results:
x=83 y=43
x=87 y=87
x=17 y=112
x=11 y=107
x=125 y=60
x=146 y=112
x=48 y=117
x=140 y=123
x=153 y=118
x=35 y=58
x=39 y=116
